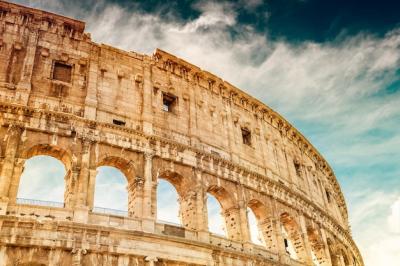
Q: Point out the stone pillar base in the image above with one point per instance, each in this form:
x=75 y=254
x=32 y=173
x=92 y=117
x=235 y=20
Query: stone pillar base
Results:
x=3 y=206
x=204 y=236
x=148 y=225
x=81 y=214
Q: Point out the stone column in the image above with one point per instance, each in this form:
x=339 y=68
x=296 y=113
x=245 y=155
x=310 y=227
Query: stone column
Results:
x=277 y=231
x=84 y=175
x=148 y=220
x=81 y=210
x=188 y=210
x=15 y=181
x=151 y=260
x=304 y=235
x=244 y=222
x=232 y=223
x=13 y=139
x=201 y=209
x=92 y=85
x=192 y=88
x=267 y=228
x=231 y=134
x=71 y=179
x=280 y=239
x=24 y=85
x=135 y=197
x=77 y=255
x=91 y=188
x=147 y=97
x=326 y=248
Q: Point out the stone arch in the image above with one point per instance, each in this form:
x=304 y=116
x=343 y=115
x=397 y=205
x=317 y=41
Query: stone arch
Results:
x=61 y=155
x=128 y=169
x=230 y=211
x=317 y=245
x=182 y=178
x=338 y=253
x=345 y=257
x=222 y=195
x=50 y=150
x=176 y=180
x=264 y=222
x=294 y=235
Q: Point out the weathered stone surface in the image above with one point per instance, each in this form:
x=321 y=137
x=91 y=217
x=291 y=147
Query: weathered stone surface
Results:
x=152 y=117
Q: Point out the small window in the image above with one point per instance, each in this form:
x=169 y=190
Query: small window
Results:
x=286 y=245
x=328 y=196
x=169 y=102
x=62 y=72
x=297 y=166
x=118 y=122
x=246 y=136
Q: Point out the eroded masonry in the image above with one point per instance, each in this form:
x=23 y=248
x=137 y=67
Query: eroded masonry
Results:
x=152 y=117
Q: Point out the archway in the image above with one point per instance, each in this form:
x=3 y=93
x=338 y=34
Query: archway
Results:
x=256 y=236
x=216 y=222
x=42 y=182
x=293 y=240
x=230 y=211
x=168 y=207
x=318 y=253
x=45 y=178
x=111 y=194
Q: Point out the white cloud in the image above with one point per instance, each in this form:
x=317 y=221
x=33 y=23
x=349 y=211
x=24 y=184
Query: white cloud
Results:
x=394 y=217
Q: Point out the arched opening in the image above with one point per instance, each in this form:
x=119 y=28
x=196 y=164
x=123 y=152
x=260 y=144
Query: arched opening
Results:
x=261 y=225
x=344 y=257
x=318 y=254
x=170 y=201
x=289 y=247
x=167 y=203
x=216 y=222
x=292 y=238
x=114 y=186
x=42 y=182
x=255 y=234
x=332 y=252
x=111 y=195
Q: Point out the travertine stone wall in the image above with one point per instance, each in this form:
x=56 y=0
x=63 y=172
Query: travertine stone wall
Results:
x=153 y=117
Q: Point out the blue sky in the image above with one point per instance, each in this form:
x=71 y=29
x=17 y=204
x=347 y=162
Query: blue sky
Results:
x=330 y=67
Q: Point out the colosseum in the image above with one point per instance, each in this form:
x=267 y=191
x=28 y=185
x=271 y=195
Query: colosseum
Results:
x=152 y=117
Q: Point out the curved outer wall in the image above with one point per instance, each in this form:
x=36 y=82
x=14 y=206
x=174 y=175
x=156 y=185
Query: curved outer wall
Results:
x=152 y=117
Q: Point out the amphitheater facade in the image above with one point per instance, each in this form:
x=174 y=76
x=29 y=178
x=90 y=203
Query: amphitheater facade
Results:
x=152 y=117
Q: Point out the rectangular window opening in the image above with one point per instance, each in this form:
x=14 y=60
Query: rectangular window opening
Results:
x=118 y=122
x=62 y=72
x=297 y=166
x=328 y=196
x=246 y=136
x=169 y=102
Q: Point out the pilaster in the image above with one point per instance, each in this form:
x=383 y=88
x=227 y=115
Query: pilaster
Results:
x=13 y=139
x=307 y=245
x=24 y=85
x=18 y=170
x=148 y=217
x=232 y=223
x=92 y=86
x=147 y=97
